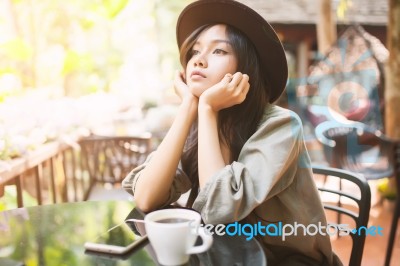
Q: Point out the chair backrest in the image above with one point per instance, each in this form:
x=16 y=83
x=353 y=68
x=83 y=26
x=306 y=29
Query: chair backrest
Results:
x=360 y=216
x=110 y=159
x=357 y=148
x=396 y=212
x=396 y=162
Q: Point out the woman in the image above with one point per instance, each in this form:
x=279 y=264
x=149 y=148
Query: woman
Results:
x=243 y=158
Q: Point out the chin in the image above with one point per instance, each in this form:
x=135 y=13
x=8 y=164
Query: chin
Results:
x=197 y=91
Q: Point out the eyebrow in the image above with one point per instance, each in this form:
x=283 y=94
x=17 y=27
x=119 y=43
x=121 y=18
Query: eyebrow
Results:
x=217 y=41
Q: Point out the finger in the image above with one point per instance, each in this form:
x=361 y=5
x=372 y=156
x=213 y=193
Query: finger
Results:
x=239 y=84
x=243 y=88
x=244 y=82
x=226 y=79
x=236 y=78
x=178 y=75
x=183 y=76
x=246 y=89
x=179 y=84
x=234 y=85
x=179 y=79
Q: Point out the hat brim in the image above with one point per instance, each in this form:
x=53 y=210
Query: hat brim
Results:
x=250 y=23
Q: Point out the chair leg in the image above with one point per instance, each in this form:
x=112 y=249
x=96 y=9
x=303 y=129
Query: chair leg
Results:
x=392 y=235
x=338 y=217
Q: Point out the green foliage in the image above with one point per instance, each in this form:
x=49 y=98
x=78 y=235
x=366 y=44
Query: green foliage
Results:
x=60 y=256
x=3 y=96
x=17 y=49
x=4 y=154
x=9 y=199
x=113 y=7
x=87 y=23
x=149 y=104
x=342 y=8
x=54 y=234
x=386 y=190
x=67 y=42
x=105 y=8
x=75 y=61
x=7 y=70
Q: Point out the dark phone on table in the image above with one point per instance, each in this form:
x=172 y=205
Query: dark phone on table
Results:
x=118 y=240
x=108 y=256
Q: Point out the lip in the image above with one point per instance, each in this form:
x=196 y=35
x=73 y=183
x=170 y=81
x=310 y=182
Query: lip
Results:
x=197 y=73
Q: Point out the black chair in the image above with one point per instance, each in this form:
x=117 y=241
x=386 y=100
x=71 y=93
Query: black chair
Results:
x=362 y=149
x=363 y=202
x=396 y=214
x=107 y=160
x=357 y=148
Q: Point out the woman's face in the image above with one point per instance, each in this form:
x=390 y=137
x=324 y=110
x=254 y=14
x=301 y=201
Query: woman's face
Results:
x=212 y=57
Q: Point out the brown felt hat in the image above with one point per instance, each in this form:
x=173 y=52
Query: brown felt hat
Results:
x=250 y=23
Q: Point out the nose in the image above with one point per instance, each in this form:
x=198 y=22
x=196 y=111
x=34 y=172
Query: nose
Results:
x=200 y=61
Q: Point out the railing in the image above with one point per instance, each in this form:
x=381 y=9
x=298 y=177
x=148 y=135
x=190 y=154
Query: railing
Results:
x=63 y=172
x=49 y=174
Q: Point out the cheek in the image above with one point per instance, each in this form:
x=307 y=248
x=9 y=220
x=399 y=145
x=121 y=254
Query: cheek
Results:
x=229 y=66
x=233 y=65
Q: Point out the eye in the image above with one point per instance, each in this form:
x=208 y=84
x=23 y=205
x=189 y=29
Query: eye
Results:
x=194 y=52
x=219 y=51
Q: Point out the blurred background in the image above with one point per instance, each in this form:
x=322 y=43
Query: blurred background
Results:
x=70 y=64
x=84 y=82
x=106 y=66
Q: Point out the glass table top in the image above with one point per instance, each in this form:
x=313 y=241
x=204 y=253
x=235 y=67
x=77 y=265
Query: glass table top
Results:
x=55 y=234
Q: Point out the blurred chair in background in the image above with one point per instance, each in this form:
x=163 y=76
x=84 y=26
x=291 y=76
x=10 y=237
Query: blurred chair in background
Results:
x=357 y=148
x=107 y=160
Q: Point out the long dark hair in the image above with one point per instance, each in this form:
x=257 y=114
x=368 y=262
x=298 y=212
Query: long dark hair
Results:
x=237 y=123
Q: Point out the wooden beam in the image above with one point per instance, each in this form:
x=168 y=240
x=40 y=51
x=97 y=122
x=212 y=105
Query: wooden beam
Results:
x=326 y=26
x=392 y=82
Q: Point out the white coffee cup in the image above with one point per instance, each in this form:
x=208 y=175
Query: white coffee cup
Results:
x=173 y=233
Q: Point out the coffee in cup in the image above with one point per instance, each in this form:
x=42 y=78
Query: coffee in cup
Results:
x=173 y=233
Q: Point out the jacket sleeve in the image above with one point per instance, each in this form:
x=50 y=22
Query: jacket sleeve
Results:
x=180 y=185
x=266 y=166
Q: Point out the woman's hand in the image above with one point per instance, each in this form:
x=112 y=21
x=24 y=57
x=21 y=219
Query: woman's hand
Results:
x=231 y=90
x=182 y=89
x=212 y=153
